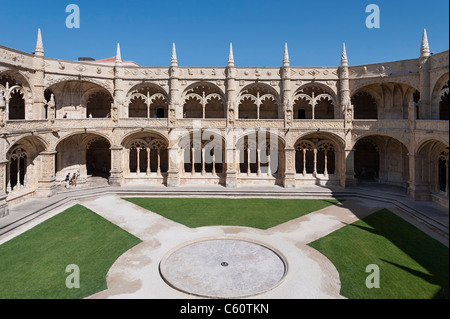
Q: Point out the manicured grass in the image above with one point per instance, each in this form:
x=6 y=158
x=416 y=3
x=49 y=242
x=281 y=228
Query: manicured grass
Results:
x=33 y=265
x=412 y=264
x=257 y=213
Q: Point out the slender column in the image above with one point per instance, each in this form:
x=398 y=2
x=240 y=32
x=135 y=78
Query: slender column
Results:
x=304 y=162
x=138 y=160
x=325 y=173
x=259 y=161
x=203 y=162
x=193 y=161
x=446 y=178
x=8 y=175
x=18 y=173
x=214 y=162
x=159 y=162
x=269 y=171
x=248 y=162
x=315 y=163
x=148 y=161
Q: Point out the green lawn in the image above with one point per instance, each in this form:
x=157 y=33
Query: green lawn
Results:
x=412 y=264
x=33 y=265
x=257 y=213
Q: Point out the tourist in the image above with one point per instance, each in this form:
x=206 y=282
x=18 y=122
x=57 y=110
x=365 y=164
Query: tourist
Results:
x=65 y=116
x=74 y=179
x=67 y=180
x=90 y=115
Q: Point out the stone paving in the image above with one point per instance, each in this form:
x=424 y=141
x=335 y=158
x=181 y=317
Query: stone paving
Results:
x=136 y=274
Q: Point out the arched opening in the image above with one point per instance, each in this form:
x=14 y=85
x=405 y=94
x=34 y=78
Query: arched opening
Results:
x=258 y=102
x=25 y=167
x=80 y=99
x=146 y=158
x=203 y=101
x=367 y=160
x=99 y=105
x=147 y=102
x=316 y=159
x=381 y=159
x=98 y=157
x=365 y=106
x=16 y=99
x=431 y=163
x=87 y=155
x=260 y=158
x=203 y=154
x=313 y=102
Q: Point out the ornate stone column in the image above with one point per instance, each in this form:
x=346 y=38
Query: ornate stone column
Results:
x=418 y=189
x=47 y=181
x=289 y=174
x=230 y=163
x=175 y=159
x=115 y=178
x=4 y=211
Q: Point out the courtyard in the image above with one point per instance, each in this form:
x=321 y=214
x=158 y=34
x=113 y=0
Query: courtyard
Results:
x=170 y=246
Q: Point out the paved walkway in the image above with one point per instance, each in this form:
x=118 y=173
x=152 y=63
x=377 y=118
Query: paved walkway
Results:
x=310 y=274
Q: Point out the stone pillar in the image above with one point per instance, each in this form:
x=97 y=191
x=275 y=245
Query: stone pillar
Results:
x=289 y=174
x=349 y=176
x=115 y=178
x=173 y=178
x=230 y=164
x=4 y=211
x=47 y=181
x=417 y=188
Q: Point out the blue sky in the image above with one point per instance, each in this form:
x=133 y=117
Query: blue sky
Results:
x=202 y=30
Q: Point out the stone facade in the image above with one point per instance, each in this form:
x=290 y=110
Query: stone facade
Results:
x=385 y=123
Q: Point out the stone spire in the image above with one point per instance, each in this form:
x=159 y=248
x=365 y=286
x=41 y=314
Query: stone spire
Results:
x=174 y=61
x=424 y=47
x=39 y=51
x=344 y=60
x=286 y=55
x=118 y=55
x=231 y=56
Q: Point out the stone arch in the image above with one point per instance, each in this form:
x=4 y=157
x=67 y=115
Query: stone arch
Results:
x=85 y=153
x=259 y=101
x=432 y=169
x=382 y=159
x=440 y=99
x=16 y=89
x=260 y=155
x=318 y=158
x=365 y=105
x=25 y=165
x=314 y=101
x=147 y=100
x=203 y=154
x=76 y=98
x=203 y=100
x=145 y=157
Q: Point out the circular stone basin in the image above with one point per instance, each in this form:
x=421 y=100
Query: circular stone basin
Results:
x=223 y=268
